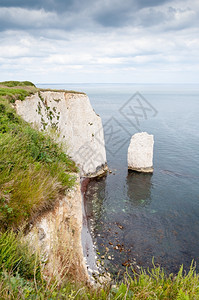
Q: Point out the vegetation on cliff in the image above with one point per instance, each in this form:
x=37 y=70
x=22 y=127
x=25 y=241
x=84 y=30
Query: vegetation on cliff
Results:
x=19 y=90
x=34 y=172
x=33 y=168
x=21 y=277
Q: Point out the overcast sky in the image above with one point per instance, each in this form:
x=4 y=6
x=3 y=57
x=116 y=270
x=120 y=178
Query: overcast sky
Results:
x=59 y=41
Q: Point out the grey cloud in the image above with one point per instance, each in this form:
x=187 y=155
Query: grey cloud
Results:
x=18 y=19
x=151 y=17
x=51 y=15
x=44 y=15
x=115 y=13
x=57 y=5
x=113 y=18
x=160 y=18
x=150 y=3
x=119 y=13
x=14 y=18
x=169 y=18
x=60 y=6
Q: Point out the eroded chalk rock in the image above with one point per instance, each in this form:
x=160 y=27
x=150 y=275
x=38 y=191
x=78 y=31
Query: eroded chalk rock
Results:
x=140 y=153
x=75 y=121
x=56 y=235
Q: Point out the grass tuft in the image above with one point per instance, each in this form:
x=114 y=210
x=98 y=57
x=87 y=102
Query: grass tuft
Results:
x=17 y=257
x=153 y=284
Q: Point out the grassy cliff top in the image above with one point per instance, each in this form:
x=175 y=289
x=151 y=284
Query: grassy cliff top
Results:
x=17 y=84
x=19 y=90
x=34 y=170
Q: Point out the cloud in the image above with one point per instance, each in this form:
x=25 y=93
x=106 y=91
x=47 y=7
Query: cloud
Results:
x=48 y=5
x=20 y=18
x=95 y=16
x=98 y=40
x=13 y=51
x=150 y=3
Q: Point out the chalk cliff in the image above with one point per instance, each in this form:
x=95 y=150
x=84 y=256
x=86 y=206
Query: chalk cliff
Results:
x=77 y=125
x=57 y=236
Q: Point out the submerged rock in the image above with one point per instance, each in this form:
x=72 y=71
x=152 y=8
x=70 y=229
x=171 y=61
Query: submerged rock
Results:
x=140 y=153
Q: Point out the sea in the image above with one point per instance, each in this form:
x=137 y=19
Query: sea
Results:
x=143 y=220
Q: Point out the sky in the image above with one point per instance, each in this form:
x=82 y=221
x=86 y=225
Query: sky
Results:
x=105 y=41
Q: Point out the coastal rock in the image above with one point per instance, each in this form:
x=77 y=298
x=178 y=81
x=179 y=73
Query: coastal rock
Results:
x=77 y=125
x=56 y=235
x=140 y=153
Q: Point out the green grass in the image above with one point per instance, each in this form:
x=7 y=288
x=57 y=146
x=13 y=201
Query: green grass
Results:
x=17 y=83
x=34 y=170
x=65 y=91
x=22 y=277
x=17 y=257
x=14 y=94
x=16 y=90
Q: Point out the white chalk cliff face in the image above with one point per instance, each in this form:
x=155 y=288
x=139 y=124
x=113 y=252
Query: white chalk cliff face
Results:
x=57 y=235
x=140 y=153
x=78 y=126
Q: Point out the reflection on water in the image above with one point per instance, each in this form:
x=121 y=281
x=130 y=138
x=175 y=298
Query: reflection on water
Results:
x=113 y=217
x=93 y=198
x=139 y=188
x=130 y=223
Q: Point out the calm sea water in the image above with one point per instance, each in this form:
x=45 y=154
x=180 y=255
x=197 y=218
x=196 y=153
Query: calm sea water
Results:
x=137 y=217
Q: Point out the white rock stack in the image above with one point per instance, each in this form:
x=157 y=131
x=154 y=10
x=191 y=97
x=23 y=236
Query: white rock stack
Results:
x=140 y=153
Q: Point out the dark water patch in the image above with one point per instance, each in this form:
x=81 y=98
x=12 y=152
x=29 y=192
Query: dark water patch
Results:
x=132 y=233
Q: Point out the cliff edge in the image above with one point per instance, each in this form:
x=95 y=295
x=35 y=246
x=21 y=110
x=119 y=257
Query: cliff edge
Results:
x=79 y=128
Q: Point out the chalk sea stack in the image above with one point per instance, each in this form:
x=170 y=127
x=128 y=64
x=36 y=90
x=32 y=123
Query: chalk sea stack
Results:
x=140 y=153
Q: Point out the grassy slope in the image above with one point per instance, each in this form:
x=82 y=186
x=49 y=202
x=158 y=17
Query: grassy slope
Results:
x=33 y=172
x=33 y=169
